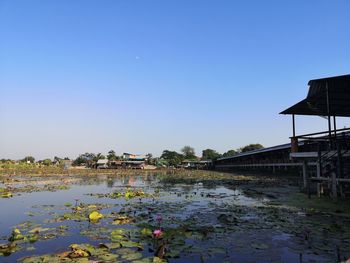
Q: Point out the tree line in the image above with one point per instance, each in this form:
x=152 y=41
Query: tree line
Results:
x=168 y=157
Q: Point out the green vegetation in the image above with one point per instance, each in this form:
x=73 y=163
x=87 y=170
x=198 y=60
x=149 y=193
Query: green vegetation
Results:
x=236 y=215
x=251 y=147
x=188 y=153
x=29 y=159
x=172 y=157
x=112 y=156
x=168 y=158
x=210 y=154
x=230 y=153
x=47 y=162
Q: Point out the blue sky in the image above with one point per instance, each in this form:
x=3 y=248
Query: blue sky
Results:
x=144 y=76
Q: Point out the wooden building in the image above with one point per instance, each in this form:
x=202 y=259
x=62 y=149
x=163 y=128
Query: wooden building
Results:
x=323 y=157
x=329 y=98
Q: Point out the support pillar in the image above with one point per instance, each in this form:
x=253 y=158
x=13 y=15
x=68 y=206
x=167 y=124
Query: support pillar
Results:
x=318 y=170
x=318 y=175
x=305 y=174
x=329 y=116
x=334 y=185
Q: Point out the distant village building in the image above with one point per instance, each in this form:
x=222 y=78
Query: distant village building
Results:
x=195 y=164
x=67 y=164
x=129 y=161
x=134 y=157
x=134 y=161
x=102 y=164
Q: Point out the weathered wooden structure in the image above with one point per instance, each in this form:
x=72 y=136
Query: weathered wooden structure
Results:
x=272 y=158
x=323 y=157
x=330 y=98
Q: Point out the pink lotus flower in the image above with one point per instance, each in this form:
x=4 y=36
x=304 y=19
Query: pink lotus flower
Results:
x=157 y=233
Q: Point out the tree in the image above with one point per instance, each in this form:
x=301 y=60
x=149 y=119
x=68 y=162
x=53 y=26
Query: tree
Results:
x=210 y=154
x=85 y=158
x=150 y=159
x=251 y=147
x=112 y=156
x=47 y=162
x=98 y=156
x=188 y=152
x=30 y=159
x=172 y=157
x=229 y=153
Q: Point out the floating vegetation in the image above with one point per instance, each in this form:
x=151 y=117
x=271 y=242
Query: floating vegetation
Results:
x=95 y=216
x=100 y=253
x=5 y=193
x=165 y=218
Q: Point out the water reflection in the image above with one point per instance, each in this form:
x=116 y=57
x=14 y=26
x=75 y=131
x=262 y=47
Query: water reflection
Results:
x=214 y=216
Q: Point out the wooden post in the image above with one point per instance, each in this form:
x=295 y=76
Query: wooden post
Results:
x=294 y=140
x=293 y=118
x=329 y=116
x=305 y=174
x=339 y=166
x=318 y=170
x=294 y=144
x=334 y=185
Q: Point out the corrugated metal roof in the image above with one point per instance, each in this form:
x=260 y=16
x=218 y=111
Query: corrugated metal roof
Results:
x=269 y=149
x=102 y=161
x=316 y=101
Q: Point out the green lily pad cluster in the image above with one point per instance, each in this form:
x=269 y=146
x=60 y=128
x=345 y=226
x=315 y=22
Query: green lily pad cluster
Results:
x=198 y=222
x=85 y=212
x=80 y=253
x=7 y=249
x=129 y=194
x=8 y=192
x=24 y=237
x=5 y=193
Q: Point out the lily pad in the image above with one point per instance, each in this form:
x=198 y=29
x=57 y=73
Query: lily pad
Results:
x=95 y=216
x=259 y=245
x=132 y=256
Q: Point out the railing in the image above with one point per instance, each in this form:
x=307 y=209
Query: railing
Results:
x=326 y=133
x=326 y=140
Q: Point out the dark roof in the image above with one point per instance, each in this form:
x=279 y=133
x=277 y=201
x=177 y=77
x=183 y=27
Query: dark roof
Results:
x=259 y=151
x=316 y=101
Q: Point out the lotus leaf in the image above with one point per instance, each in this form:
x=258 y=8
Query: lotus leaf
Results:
x=108 y=257
x=130 y=244
x=259 y=245
x=6 y=195
x=79 y=251
x=146 y=232
x=33 y=238
x=16 y=235
x=95 y=216
x=7 y=249
x=38 y=230
x=110 y=245
x=132 y=256
x=74 y=216
x=122 y=220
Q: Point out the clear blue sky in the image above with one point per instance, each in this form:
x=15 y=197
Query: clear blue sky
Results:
x=144 y=76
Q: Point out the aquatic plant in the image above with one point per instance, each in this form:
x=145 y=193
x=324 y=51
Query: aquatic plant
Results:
x=158 y=233
x=95 y=216
x=159 y=219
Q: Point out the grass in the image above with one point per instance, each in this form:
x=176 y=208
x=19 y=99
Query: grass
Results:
x=320 y=204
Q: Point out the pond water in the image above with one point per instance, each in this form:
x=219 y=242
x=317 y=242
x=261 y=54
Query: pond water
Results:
x=113 y=219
